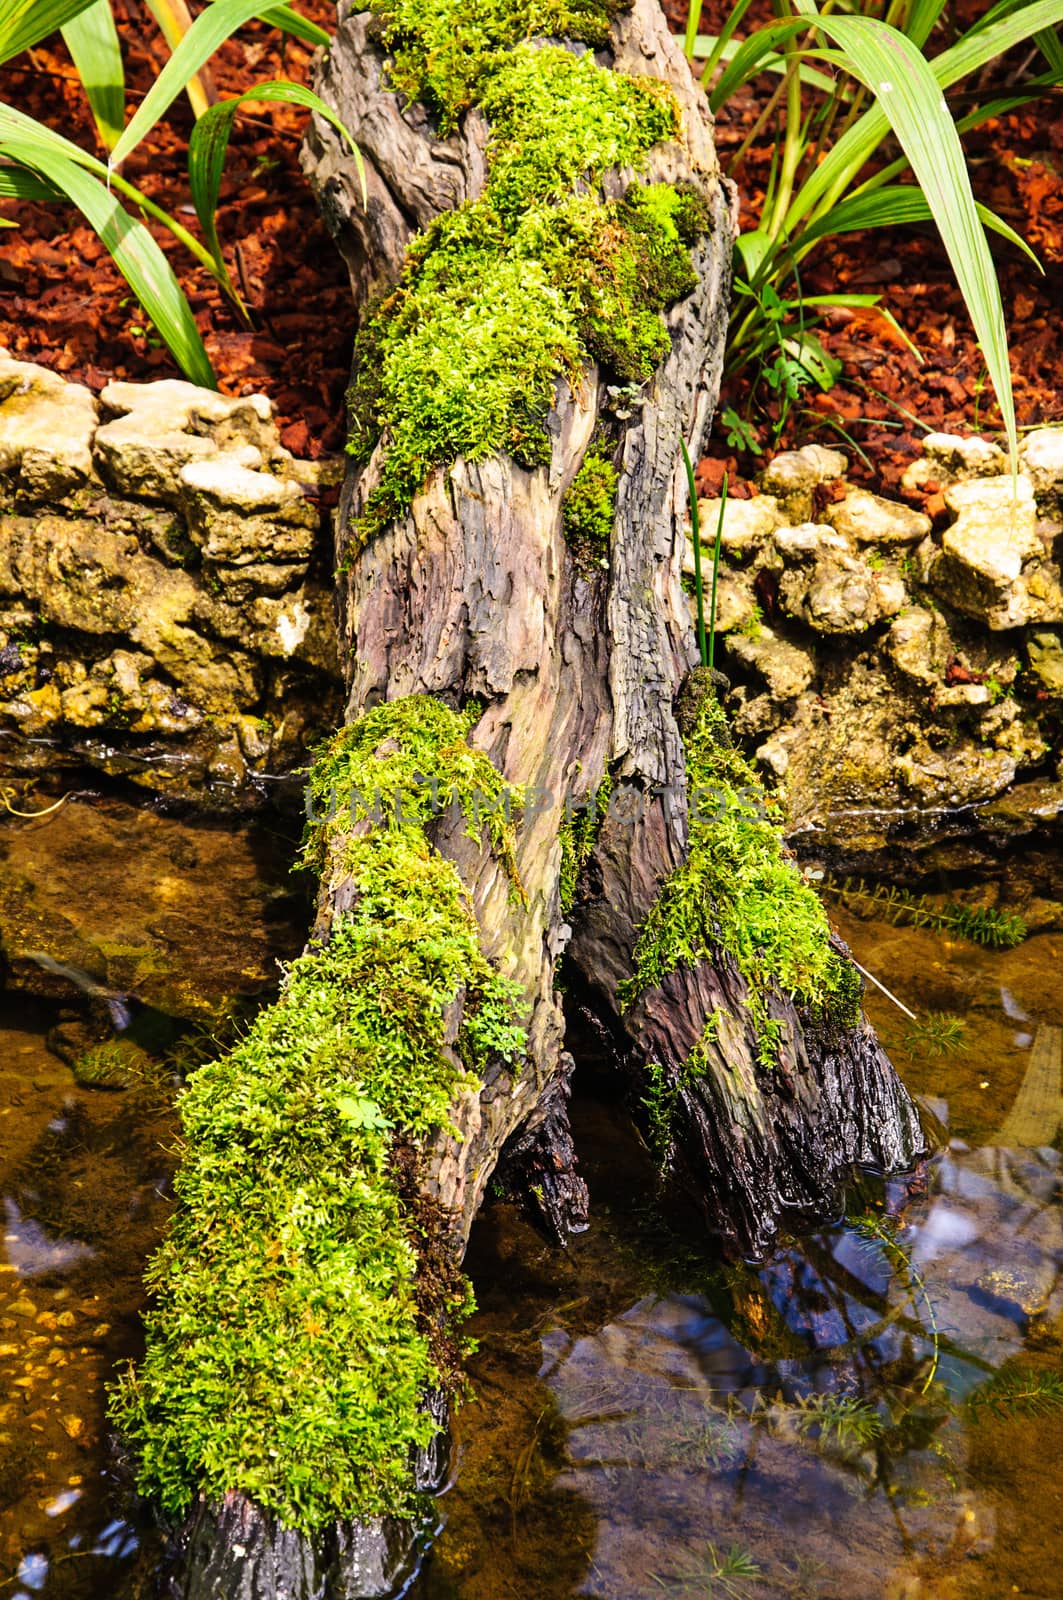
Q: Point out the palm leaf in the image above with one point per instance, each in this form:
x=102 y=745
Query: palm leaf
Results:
x=135 y=253
x=210 y=29
x=897 y=206
x=897 y=73
x=92 y=39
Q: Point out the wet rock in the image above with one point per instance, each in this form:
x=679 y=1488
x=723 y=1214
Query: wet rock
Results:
x=1044 y=650
x=792 y=476
x=838 y=592
x=991 y=563
x=869 y=519
x=784 y=667
x=1026 y=1292
x=46 y=430
x=163 y=426
x=1041 y=455
x=958 y=775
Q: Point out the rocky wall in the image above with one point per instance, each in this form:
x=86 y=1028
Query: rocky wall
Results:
x=894 y=670
x=166 y=611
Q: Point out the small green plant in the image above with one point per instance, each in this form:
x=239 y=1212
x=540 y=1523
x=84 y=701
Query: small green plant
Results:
x=740 y=434
x=714 y=1573
x=588 y=510
x=936 y=1034
x=1019 y=1391
x=999 y=930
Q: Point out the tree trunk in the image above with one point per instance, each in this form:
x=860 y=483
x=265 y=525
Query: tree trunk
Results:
x=475 y=592
x=474 y=595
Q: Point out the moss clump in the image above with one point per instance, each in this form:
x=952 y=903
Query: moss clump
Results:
x=443 y=53
x=588 y=511
x=579 y=834
x=535 y=278
x=288 y=1346
x=739 y=892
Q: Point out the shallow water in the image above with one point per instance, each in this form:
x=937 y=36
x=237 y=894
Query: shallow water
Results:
x=647 y=1420
x=185 y=923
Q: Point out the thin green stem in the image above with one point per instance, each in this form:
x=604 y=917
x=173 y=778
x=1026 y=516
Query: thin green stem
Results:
x=716 y=572
x=704 y=651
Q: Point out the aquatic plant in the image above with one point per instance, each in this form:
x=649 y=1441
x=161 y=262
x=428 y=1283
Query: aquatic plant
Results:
x=999 y=930
x=580 y=827
x=1019 y=1391
x=936 y=1034
x=846 y=1421
x=714 y=1573
x=290 y=1342
x=880 y=1233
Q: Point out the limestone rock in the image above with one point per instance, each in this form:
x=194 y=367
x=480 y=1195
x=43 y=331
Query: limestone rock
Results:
x=947 y=458
x=838 y=592
x=958 y=775
x=747 y=524
x=1041 y=454
x=793 y=475
x=162 y=426
x=919 y=645
x=46 y=429
x=869 y=519
x=992 y=561
x=1044 y=649
x=784 y=667
x=236 y=515
x=809 y=539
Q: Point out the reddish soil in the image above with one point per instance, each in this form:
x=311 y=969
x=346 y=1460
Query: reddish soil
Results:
x=63 y=304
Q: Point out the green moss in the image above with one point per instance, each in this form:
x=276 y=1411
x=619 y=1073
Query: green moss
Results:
x=289 y=1348
x=580 y=828
x=442 y=53
x=540 y=275
x=588 y=511
x=739 y=892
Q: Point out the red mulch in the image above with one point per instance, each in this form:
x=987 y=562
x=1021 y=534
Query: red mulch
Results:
x=87 y=326
x=64 y=304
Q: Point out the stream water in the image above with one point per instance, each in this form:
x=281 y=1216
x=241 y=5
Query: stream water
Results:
x=875 y=1413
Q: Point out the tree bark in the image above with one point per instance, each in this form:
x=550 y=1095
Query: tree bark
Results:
x=475 y=593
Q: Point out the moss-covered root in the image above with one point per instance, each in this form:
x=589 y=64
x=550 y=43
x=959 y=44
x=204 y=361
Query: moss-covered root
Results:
x=741 y=894
x=289 y=1350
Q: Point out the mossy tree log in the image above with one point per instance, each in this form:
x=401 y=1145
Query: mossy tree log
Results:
x=473 y=590
x=543 y=272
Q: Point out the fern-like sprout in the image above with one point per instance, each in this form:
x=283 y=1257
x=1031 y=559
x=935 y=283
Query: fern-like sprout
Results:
x=998 y=930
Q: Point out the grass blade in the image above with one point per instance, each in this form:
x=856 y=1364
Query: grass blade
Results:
x=92 y=39
x=905 y=86
x=695 y=529
x=135 y=253
x=210 y=140
x=210 y=29
x=23 y=23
